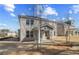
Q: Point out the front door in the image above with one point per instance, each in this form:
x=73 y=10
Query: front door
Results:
x=47 y=35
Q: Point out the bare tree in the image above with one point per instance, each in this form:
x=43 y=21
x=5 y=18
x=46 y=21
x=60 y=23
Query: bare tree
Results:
x=38 y=14
x=69 y=23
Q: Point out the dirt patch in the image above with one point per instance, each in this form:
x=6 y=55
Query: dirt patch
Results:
x=44 y=50
x=24 y=49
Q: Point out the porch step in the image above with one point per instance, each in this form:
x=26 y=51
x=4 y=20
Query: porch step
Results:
x=27 y=40
x=50 y=41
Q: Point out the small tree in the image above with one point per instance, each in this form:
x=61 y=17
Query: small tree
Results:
x=69 y=23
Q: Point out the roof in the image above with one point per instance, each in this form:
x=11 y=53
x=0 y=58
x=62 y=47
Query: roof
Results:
x=47 y=25
x=36 y=18
x=42 y=19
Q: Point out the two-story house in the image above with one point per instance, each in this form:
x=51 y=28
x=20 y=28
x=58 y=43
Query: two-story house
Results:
x=33 y=28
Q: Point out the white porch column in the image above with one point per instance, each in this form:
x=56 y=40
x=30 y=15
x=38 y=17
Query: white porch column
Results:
x=39 y=41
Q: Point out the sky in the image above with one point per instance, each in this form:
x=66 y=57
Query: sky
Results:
x=55 y=12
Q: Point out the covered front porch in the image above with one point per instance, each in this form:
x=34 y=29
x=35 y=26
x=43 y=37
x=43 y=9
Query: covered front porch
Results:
x=43 y=33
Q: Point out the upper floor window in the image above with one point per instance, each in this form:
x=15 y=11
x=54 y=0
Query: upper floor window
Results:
x=29 y=22
x=32 y=21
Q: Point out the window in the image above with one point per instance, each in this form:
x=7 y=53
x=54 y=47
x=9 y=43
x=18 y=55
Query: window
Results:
x=32 y=21
x=29 y=34
x=76 y=32
x=54 y=33
x=71 y=32
x=29 y=22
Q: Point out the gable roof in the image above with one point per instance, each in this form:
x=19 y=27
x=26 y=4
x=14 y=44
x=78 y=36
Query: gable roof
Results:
x=42 y=19
x=35 y=18
x=48 y=26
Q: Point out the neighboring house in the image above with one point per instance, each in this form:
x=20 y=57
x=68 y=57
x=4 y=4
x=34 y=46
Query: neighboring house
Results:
x=11 y=34
x=3 y=32
x=33 y=28
x=7 y=33
x=74 y=31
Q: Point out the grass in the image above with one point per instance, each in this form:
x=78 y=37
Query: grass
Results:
x=72 y=38
x=44 y=50
x=7 y=44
